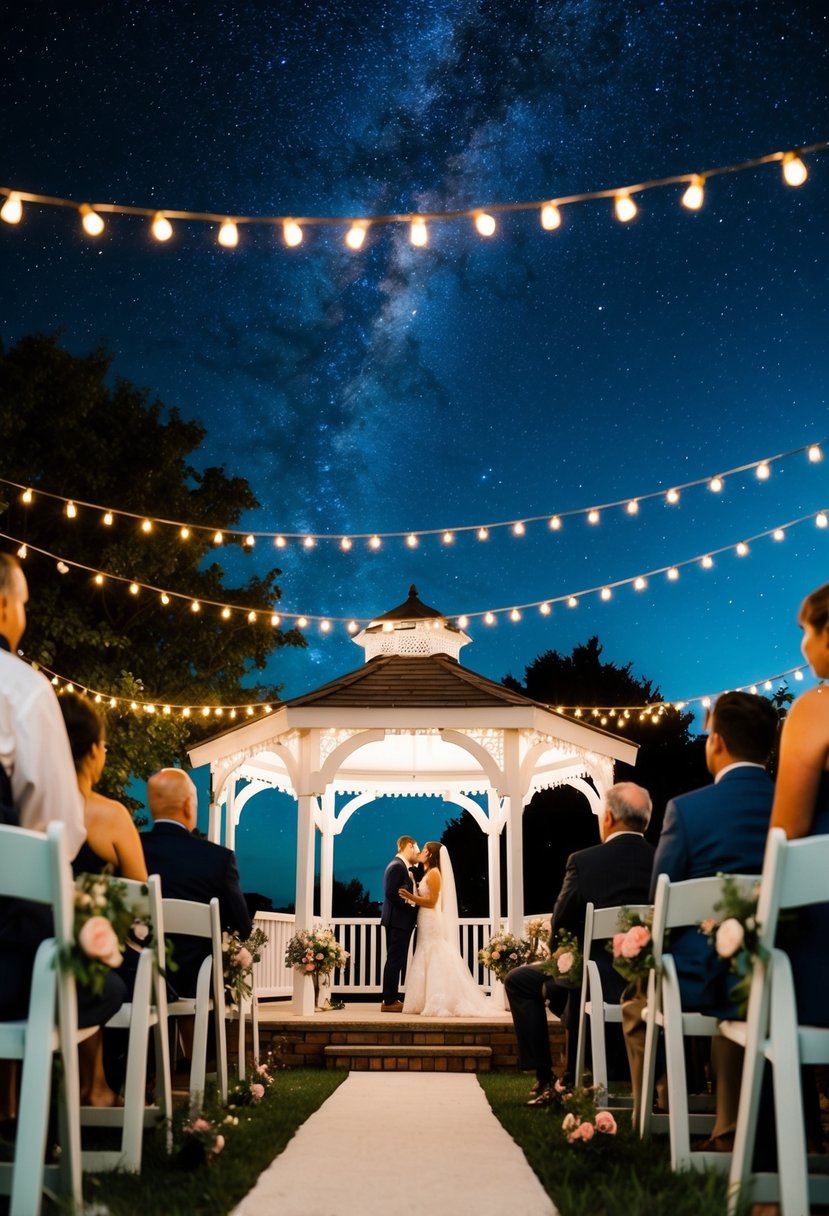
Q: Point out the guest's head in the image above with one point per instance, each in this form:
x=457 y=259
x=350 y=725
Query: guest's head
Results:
x=813 y=619
x=741 y=726
x=87 y=737
x=172 y=795
x=14 y=595
x=627 y=808
x=430 y=855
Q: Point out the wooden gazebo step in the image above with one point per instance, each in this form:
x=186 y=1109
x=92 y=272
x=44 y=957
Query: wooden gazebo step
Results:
x=387 y=1057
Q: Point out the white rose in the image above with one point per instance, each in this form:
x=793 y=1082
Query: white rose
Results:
x=730 y=937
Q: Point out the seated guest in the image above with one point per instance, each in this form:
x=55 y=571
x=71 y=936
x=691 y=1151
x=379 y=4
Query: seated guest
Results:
x=720 y=828
x=612 y=873
x=190 y=868
x=111 y=835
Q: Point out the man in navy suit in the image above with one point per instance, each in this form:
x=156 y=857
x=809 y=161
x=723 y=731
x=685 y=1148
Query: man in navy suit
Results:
x=398 y=919
x=190 y=868
x=612 y=873
x=719 y=829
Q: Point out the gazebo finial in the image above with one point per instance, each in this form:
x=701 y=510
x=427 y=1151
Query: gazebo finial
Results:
x=412 y=629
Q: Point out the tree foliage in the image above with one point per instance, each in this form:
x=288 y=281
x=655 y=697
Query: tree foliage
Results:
x=68 y=428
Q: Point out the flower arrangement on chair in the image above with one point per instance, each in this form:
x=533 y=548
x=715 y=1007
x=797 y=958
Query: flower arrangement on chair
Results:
x=565 y=963
x=238 y=958
x=503 y=952
x=632 y=946
x=736 y=936
x=316 y=952
x=103 y=924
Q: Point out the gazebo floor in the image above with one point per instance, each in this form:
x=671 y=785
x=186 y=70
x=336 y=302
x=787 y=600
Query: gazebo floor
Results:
x=360 y=1037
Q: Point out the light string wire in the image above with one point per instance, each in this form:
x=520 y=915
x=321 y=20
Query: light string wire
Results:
x=619 y=715
x=794 y=171
x=715 y=482
x=639 y=582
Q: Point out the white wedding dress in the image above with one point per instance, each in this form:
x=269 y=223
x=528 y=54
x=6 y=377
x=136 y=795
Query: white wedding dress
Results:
x=438 y=982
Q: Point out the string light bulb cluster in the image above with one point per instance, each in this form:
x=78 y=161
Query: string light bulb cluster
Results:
x=794 y=172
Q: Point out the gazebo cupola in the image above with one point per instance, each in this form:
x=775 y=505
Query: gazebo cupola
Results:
x=411 y=630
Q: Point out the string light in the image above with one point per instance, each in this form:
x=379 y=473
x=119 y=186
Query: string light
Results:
x=355 y=236
x=794 y=170
x=519 y=528
x=763 y=471
x=12 y=210
x=71 y=510
x=554 y=521
x=161 y=229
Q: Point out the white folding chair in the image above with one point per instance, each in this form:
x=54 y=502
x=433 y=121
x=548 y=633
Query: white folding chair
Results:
x=143 y=1015
x=679 y=905
x=182 y=916
x=794 y=876
x=35 y=867
x=600 y=925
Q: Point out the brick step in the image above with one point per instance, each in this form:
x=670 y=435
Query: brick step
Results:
x=368 y=1057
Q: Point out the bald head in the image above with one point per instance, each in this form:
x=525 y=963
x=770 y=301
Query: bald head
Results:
x=172 y=795
x=627 y=809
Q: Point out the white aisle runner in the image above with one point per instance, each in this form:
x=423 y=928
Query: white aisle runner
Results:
x=389 y=1143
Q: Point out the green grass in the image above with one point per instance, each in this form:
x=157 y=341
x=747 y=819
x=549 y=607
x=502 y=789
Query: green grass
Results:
x=164 y=1189
x=619 y=1177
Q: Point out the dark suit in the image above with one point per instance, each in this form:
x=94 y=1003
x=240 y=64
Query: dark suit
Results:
x=616 y=872
x=195 y=869
x=398 y=919
x=720 y=828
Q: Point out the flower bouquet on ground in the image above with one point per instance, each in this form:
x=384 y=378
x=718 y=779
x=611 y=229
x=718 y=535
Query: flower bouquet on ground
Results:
x=251 y=1093
x=632 y=947
x=583 y=1125
x=238 y=958
x=201 y=1144
x=504 y=952
x=103 y=924
x=736 y=936
x=565 y=963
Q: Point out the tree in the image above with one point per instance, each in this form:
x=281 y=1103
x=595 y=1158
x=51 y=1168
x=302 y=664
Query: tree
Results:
x=67 y=428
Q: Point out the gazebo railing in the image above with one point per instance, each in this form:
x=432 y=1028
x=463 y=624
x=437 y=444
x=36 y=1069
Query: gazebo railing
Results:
x=364 y=940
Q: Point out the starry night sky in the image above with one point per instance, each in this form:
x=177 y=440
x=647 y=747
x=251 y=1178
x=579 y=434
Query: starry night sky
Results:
x=472 y=381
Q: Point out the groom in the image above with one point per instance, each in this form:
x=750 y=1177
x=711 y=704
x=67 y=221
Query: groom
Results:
x=398 y=920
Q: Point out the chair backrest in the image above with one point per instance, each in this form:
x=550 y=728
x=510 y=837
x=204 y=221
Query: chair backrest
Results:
x=682 y=904
x=600 y=924
x=794 y=876
x=144 y=900
x=35 y=867
x=186 y=916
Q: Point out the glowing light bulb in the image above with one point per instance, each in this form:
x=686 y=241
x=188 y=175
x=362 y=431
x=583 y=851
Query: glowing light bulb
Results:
x=71 y=510
x=108 y=519
x=225 y=614
x=27 y=497
x=195 y=606
x=485 y=223
x=798 y=675
x=640 y=583
x=815 y=454
x=185 y=713
x=483 y=534
x=707 y=562
x=63 y=568
x=280 y=542
x=572 y=602
x=345 y=544
x=605 y=593
x=715 y=484
x=184 y=533
x=206 y=711
x=23 y=552
x=593 y=516
x=12 y=209
x=742 y=549
x=134 y=588
x=228 y=235
x=672 y=497
x=763 y=472
x=555 y=524
x=673 y=574
x=821 y=519
x=489 y=618
x=93 y=225
x=161 y=228
x=412 y=541
x=515 y=615
x=355 y=236
x=218 y=538
x=418 y=233
x=250 y=541
x=99 y=579
x=625 y=208
x=550 y=217
x=767 y=685
x=374 y=542
x=275 y=619
x=778 y=534
x=251 y=618
x=302 y=622
x=545 y=609
x=448 y=538
x=633 y=507
x=794 y=170
x=352 y=626
x=309 y=542
x=694 y=196
x=146 y=525
x=518 y=529
x=463 y=621
x=165 y=599
x=325 y=626
x=291 y=234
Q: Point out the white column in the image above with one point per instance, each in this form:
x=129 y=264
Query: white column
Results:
x=303 y=1001
x=494 y=859
x=230 y=814
x=327 y=858
x=214 y=822
x=515 y=843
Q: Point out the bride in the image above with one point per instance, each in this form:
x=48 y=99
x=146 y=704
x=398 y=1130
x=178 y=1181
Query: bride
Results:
x=438 y=982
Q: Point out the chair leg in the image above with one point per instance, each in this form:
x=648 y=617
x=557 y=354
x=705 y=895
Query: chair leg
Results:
x=643 y=1102
x=678 y=1126
x=135 y=1085
x=33 y=1110
x=254 y=1021
x=745 y=1132
x=788 y=1097
x=598 y=1047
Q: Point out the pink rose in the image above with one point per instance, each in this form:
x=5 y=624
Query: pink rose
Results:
x=496 y=954
x=565 y=962
x=320 y=956
x=200 y=1125
x=257 y=1092
x=310 y=966
x=618 y=939
x=635 y=941
x=605 y=1123
x=243 y=958
x=570 y=1122
x=219 y=1145
x=730 y=937
x=586 y=1130
x=97 y=940
x=262 y=1070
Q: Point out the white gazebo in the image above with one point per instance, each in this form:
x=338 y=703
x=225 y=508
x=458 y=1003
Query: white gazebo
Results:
x=410 y=721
